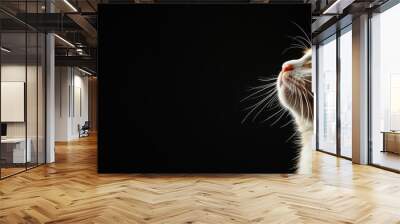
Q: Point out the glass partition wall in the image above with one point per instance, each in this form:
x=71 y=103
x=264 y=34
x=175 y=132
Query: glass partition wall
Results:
x=334 y=94
x=345 y=92
x=22 y=89
x=385 y=89
x=327 y=95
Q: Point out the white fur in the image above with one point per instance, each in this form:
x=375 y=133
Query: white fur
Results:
x=305 y=128
x=304 y=125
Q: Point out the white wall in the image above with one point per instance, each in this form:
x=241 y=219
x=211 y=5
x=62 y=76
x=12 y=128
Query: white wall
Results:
x=62 y=81
x=15 y=72
x=33 y=127
x=80 y=110
x=71 y=102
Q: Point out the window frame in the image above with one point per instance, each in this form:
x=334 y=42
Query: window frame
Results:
x=336 y=35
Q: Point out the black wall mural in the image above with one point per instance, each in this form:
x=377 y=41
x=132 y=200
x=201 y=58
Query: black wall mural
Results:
x=173 y=82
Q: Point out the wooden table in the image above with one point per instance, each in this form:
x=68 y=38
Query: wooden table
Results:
x=391 y=141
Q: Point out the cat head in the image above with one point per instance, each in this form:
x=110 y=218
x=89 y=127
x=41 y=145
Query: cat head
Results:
x=294 y=87
x=290 y=92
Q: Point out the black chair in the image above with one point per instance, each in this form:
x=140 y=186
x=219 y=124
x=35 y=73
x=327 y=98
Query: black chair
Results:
x=84 y=130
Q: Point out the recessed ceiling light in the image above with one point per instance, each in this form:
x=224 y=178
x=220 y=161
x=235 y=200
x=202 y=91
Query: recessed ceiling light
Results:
x=338 y=6
x=84 y=71
x=5 y=50
x=64 y=40
x=70 y=5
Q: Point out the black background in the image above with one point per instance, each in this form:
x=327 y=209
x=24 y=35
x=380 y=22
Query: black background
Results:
x=170 y=82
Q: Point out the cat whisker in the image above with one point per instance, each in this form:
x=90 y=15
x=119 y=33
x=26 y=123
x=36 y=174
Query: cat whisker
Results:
x=275 y=104
x=305 y=91
x=263 y=87
x=294 y=134
x=252 y=106
x=258 y=113
x=304 y=41
x=305 y=34
x=305 y=80
x=308 y=107
x=308 y=91
x=287 y=123
x=247 y=97
x=273 y=115
x=283 y=113
x=287 y=49
x=270 y=84
x=267 y=80
x=271 y=93
x=309 y=45
x=301 y=105
x=293 y=97
x=268 y=93
x=311 y=109
x=273 y=100
x=300 y=42
x=255 y=106
x=307 y=104
x=300 y=46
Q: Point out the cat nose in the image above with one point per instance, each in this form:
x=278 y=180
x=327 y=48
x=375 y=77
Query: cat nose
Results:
x=287 y=67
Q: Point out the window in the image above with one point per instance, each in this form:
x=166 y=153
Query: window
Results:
x=345 y=58
x=327 y=95
x=385 y=88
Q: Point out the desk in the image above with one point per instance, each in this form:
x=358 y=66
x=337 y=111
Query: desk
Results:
x=13 y=150
x=391 y=141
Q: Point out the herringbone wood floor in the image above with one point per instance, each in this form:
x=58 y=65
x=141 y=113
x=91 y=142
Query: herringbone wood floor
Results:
x=70 y=191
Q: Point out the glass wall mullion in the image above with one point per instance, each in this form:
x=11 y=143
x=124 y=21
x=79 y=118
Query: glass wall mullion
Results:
x=338 y=74
x=316 y=95
x=37 y=89
x=1 y=64
x=26 y=87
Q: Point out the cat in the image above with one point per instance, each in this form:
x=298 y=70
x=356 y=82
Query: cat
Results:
x=292 y=91
x=295 y=95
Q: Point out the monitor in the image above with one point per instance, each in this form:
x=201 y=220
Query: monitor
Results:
x=3 y=129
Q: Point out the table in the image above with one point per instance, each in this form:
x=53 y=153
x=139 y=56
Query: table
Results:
x=391 y=141
x=13 y=150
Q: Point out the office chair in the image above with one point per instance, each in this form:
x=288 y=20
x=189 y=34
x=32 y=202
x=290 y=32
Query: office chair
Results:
x=84 y=130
